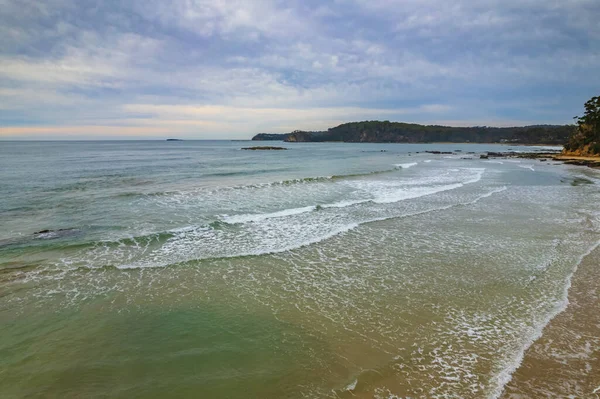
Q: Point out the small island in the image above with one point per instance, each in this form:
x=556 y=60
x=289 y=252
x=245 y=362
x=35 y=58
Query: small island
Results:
x=264 y=148
x=174 y=140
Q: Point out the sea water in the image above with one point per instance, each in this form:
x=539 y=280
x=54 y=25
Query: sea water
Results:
x=149 y=269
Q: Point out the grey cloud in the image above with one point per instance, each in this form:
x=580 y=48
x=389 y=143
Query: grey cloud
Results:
x=466 y=58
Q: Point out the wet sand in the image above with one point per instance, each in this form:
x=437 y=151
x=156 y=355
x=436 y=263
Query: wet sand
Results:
x=565 y=361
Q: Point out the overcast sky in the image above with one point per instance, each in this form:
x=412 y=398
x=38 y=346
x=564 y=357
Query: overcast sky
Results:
x=83 y=69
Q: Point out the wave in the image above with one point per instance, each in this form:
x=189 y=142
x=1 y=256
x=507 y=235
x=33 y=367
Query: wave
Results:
x=244 y=172
x=140 y=252
x=406 y=165
x=253 y=234
x=344 y=204
x=333 y=233
x=316 y=179
x=263 y=216
x=288 y=182
x=191 y=233
x=395 y=194
x=257 y=217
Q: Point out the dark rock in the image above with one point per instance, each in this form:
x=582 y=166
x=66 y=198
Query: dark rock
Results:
x=264 y=148
x=49 y=234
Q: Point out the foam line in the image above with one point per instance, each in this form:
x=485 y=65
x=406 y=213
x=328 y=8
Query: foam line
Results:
x=263 y=216
x=341 y=230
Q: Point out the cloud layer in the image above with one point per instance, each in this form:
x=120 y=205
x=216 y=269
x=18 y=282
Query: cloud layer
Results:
x=228 y=69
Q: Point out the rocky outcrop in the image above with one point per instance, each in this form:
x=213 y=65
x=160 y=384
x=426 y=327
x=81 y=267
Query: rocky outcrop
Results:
x=264 y=148
x=300 y=136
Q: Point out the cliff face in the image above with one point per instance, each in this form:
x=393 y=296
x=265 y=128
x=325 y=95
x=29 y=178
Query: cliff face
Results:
x=299 y=136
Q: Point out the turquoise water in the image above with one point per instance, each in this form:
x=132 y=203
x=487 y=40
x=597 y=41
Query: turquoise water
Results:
x=196 y=269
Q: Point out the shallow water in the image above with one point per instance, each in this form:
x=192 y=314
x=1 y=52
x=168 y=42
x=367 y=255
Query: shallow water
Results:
x=188 y=269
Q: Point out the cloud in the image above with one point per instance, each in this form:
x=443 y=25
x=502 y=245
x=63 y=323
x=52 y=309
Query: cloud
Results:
x=231 y=68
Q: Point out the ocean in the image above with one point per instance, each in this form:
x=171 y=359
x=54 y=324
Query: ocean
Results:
x=195 y=269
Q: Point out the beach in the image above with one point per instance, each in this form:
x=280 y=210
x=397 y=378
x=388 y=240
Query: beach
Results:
x=565 y=360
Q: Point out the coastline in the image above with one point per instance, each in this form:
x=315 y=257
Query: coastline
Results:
x=565 y=360
x=577 y=160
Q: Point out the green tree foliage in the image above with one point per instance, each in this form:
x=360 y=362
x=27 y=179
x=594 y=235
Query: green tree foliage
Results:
x=397 y=132
x=586 y=138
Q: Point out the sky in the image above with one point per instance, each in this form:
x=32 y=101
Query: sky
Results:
x=196 y=69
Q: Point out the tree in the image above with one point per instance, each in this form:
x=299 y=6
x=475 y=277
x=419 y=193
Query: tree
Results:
x=586 y=138
x=591 y=117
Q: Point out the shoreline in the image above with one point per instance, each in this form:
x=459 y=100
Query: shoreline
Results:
x=562 y=359
x=589 y=161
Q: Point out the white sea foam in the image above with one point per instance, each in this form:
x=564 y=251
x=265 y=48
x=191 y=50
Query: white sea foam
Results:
x=285 y=229
x=427 y=160
x=383 y=192
x=351 y=386
x=257 y=217
x=527 y=167
x=496 y=191
x=177 y=247
x=187 y=239
x=263 y=216
x=401 y=195
x=406 y=165
x=346 y=203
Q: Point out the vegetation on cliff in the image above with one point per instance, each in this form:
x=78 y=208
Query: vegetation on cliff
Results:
x=585 y=140
x=270 y=136
x=397 y=132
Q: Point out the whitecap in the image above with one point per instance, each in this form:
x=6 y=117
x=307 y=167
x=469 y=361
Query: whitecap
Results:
x=405 y=165
x=245 y=218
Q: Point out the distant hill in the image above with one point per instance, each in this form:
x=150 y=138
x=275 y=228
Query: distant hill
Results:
x=270 y=136
x=398 y=132
x=585 y=139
